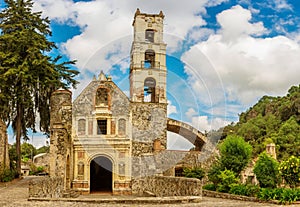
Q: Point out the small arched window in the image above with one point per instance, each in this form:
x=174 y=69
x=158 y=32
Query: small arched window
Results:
x=149 y=35
x=81 y=126
x=122 y=127
x=102 y=97
x=149 y=90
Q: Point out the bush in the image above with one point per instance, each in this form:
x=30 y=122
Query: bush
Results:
x=244 y=190
x=196 y=172
x=214 y=172
x=7 y=175
x=283 y=195
x=235 y=153
x=266 y=171
x=227 y=178
x=290 y=171
x=210 y=186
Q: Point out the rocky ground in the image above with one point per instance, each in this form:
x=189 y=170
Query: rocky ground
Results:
x=16 y=194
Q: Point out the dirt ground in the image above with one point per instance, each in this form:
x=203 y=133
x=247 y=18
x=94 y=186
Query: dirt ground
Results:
x=16 y=194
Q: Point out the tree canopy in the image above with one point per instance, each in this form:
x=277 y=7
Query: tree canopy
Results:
x=28 y=73
x=272 y=118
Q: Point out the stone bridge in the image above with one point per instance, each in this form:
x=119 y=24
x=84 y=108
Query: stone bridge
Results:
x=190 y=133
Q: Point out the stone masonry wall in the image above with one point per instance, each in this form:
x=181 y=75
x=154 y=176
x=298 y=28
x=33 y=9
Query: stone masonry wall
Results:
x=162 y=186
x=46 y=187
x=149 y=123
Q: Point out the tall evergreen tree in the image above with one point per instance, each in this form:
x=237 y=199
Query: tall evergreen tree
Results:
x=28 y=74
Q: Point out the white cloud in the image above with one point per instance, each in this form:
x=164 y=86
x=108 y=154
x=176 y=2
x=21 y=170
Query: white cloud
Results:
x=171 y=109
x=177 y=142
x=190 y=113
x=282 y=4
x=204 y=123
x=104 y=22
x=235 y=24
x=249 y=67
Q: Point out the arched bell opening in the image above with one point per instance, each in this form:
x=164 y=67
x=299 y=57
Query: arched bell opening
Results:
x=149 y=90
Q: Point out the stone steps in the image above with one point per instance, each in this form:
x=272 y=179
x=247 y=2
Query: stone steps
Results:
x=70 y=194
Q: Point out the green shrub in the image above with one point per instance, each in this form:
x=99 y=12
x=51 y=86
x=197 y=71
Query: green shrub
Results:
x=235 y=153
x=227 y=178
x=7 y=175
x=283 y=195
x=196 y=172
x=214 y=172
x=290 y=171
x=244 y=190
x=266 y=171
x=210 y=186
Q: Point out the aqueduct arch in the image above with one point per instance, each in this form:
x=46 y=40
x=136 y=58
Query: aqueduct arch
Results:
x=190 y=133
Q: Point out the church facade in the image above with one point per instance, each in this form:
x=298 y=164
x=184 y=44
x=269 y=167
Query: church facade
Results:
x=102 y=140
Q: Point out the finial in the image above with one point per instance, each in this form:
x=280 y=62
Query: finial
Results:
x=137 y=11
x=161 y=14
x=102 y=77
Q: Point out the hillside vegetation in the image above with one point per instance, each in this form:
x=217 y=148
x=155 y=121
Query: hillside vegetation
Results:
x=272 y=119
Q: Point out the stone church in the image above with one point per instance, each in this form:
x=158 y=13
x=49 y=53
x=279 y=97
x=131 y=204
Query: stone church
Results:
x=104 y=140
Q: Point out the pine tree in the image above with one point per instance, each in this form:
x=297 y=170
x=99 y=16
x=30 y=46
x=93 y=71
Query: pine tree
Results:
x=28 y=73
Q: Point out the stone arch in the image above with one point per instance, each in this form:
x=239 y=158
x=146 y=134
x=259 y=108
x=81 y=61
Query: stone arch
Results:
x=101 y=169
x=190 y=133
x=103 y=97
x=149 y=35
x=150 y=90
x=149 y=59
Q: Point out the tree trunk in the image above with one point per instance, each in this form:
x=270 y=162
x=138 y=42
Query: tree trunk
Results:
x=18 y=138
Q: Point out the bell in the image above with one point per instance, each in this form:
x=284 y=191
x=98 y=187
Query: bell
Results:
x=149 y=90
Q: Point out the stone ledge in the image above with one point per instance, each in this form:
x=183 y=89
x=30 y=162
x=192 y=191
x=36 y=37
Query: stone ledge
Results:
x=127 y=200
x=214 y=194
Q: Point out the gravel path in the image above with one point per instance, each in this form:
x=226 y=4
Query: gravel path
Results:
x=15 y=194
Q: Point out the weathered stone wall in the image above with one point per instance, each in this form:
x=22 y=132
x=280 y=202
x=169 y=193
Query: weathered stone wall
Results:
x=42 y=160
x=157 y=163
x=47 y=187
x=166 y=186
x=4 y=158
x=149 y=123
x=60 y=138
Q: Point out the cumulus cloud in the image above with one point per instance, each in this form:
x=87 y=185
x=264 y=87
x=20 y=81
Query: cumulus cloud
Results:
x=171 y=109
x=204 y=123
x=249 y=66
x=105 y=22
x=235 y=24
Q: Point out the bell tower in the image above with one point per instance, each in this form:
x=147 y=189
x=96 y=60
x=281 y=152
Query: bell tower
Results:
x=148 y=59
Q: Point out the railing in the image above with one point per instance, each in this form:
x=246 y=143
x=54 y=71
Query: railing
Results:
x=150 y=64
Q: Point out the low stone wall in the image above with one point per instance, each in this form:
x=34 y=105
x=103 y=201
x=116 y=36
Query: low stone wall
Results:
x=46 y=187
x=162 y=186
x=215 y=194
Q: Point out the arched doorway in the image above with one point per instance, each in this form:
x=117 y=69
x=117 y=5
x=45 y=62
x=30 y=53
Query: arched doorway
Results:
x=101 y=175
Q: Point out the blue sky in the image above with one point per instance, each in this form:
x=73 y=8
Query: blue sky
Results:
x=223 y=55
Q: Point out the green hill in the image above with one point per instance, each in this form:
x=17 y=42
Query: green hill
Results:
x=272 y=119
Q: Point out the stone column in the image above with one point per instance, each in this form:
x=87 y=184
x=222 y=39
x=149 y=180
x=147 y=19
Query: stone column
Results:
x=4 y=158
x=60 y=138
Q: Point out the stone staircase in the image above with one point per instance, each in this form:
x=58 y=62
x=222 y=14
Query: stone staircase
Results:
x=70 y=194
